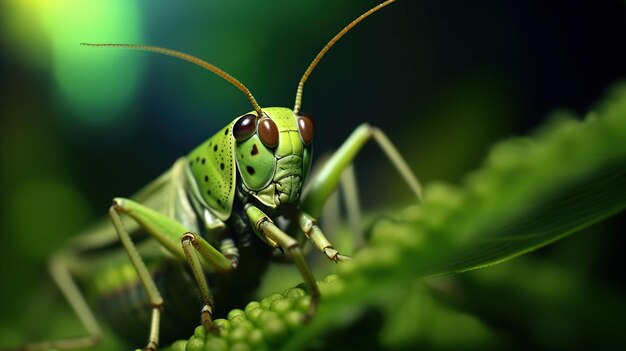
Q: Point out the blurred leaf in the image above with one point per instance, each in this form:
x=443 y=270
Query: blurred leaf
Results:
x=542 y=305
x=418 y=318
x=571 y=209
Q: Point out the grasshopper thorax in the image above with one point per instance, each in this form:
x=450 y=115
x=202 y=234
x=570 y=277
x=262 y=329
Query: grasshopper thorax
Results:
x=266 y=158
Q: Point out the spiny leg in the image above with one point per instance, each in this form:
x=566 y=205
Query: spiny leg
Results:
x=176 y=206
x=309 y=226
x=351 y=197
x=330 y=222
x=66 y=283
x=189 y=240
x=265 y=228
x=331 y=208
x=326 y=180
x=312 y=231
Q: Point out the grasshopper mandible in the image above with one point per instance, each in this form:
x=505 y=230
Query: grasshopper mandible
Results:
x=194 y=222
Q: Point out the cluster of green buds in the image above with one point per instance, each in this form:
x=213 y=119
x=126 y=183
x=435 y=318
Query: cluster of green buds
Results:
x=262 y=325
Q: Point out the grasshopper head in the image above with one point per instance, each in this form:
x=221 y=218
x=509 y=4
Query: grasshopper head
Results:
x=273 y=154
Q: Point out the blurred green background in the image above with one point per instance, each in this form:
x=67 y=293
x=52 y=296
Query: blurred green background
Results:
x=444 y=80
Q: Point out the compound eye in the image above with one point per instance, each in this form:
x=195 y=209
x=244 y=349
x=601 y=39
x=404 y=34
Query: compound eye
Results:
x=244 y=127
x=268 y=132
x=305 y=126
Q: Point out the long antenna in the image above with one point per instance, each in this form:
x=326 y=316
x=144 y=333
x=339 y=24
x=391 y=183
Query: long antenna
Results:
x=332 y=42
x=191 y=59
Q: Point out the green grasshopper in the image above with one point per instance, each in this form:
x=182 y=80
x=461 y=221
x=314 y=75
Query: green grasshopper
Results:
x=196 y=222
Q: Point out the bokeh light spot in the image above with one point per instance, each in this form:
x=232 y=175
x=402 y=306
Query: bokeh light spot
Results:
x=96 y=84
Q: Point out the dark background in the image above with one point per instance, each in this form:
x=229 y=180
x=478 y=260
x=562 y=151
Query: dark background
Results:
x=443 y=79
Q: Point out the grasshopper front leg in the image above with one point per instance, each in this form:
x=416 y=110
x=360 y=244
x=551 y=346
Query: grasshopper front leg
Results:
x=311 y=230
x=265 y=228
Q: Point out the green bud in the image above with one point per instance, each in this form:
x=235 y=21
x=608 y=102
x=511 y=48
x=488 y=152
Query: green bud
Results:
x=216 y=344
x=199 y=332
x=274 y=330
x=293 y=319
x=265 y=303
x=236 y=312
x=281 y=306
x=195 y=344
x=256 y=339
x=254 y=314
x=246 y=324
x=179 y=345
x=238 y=334
x=222 y=323
x=265 y=317
x=237 y=319
x=331 y=278
x=294 y=293
x=252 y=305
x=302 y=303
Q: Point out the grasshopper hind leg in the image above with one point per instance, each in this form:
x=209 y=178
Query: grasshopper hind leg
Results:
x=64 y=280
x=338 y=169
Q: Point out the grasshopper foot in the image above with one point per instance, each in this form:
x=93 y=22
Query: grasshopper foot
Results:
x=334 y=255
x=152 y=346
x=207 y=321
